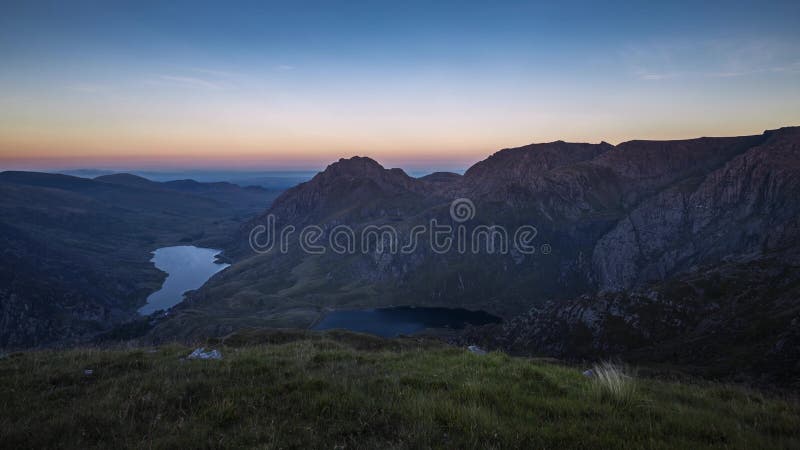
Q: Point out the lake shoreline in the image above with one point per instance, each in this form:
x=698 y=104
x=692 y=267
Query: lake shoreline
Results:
x=187 y=267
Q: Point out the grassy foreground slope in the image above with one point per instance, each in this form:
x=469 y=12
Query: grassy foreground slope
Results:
x=340 y=390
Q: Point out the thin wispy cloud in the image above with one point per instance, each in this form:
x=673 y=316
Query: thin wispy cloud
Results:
x=89 y=88
x=187 y=82
x=710 y=59
x=643 y=74
x=791 y=68
x=216 y=73
x=201 y=78
x=284 y=67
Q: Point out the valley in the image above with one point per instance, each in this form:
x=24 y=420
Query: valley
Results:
x=76 y=252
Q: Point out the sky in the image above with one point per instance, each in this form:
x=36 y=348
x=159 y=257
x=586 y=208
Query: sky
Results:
x=296 y=85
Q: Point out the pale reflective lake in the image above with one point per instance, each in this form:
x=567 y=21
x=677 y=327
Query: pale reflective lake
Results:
x=391 y=322
x=187 y=267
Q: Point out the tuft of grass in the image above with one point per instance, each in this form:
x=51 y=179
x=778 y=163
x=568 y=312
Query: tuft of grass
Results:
x=614 y=382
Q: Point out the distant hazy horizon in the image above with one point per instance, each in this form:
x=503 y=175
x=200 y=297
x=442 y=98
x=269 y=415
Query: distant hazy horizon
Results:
x=271 y=179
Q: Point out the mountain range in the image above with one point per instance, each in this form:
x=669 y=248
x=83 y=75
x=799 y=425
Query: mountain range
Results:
x=650 y=243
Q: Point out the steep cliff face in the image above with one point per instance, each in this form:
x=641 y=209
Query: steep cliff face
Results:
x=747 y=206
x=644 y=167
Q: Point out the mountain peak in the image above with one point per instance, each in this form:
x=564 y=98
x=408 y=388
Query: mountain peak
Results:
x=347 y=182
x=359 y=160
x=361 y=168
x=357 y=166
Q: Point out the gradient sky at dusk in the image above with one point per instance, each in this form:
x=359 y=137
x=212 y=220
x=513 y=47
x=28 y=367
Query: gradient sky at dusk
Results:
x=412 y=84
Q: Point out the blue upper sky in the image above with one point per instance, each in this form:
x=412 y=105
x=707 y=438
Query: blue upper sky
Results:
x=296 y=84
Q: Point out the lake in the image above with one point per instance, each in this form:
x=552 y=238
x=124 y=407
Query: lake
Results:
x=187 y=267
x=390 y=322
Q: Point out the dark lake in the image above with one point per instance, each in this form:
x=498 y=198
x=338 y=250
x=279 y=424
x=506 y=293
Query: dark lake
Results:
x=390 y=322
x=187 y=267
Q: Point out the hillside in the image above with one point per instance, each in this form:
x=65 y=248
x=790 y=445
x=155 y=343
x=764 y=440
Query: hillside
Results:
x=341 y=390
x=76 y=252
x=738 y=321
